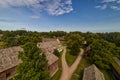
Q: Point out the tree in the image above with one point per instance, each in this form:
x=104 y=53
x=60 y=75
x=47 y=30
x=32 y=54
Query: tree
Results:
x=56 y=52
x=90 y=37
x=1 y=31
x=54 y=34
x=20 y=37
x=34 y=64
x=73 y=43
x=75 y=48
x=102 y=53
x=113 y=37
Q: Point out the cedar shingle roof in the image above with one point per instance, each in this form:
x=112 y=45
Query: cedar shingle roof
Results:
x=47 y=46
x=51 y=58
x=9 y=58
x=92 y=73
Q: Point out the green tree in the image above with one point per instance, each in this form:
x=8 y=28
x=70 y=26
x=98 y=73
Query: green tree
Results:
x=20 y=37
x=102 y=53
x=73 y=43
x=56 y=52
x=113 y=37
x=34 y=64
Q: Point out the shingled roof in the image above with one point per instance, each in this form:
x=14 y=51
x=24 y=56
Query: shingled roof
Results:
x=93 y=73
x=9 y=58
x=47 y=46
x=51 y=58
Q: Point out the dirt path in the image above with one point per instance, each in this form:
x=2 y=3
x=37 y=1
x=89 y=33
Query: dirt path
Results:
x=66 y=70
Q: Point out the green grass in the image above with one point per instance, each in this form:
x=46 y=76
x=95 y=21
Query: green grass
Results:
x=58 y=73
x=116 y=66
x=2 y=44
x=70 y=58
x=107 y=75
x=79 y=71
x=74 y=77
x=63 y=43
x=85 y=63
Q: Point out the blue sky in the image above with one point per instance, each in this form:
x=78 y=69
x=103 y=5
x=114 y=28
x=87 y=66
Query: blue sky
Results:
x=66 y=15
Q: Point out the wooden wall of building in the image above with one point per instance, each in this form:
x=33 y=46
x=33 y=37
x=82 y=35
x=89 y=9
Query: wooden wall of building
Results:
x=6 y=75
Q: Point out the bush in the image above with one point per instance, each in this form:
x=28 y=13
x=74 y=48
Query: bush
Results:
x=56 y=52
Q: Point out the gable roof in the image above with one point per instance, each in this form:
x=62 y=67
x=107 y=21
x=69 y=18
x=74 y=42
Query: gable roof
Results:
x=92 y=73
x=9 y=58
x=51 y=58
x=47 y=46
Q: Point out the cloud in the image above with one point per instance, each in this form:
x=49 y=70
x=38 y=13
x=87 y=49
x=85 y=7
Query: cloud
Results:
x=110 y=4
x=59 y=7
x=107 y=1
x=101 y=7
x=52 y=7
x=115 y=8
x=8 y=21
x=34 y=17
x=118 y=1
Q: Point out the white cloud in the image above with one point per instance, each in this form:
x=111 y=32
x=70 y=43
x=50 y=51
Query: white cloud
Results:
x=101 y=7
x=115 y=8
x=109 y=1
x=53 y=7
x=110 y=4
x=58 y=7
x=106 y=1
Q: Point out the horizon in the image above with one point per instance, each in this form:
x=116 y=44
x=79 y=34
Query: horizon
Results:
x=60 y=30
x=60 y=15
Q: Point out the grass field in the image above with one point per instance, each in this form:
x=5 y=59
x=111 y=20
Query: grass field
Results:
x=78 y=74
x=79 y=71
x=107 y=75
x=57 y=75
x=116 y=66
x=70 y=58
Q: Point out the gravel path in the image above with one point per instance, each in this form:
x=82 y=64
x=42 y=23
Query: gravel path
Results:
x=66 y=70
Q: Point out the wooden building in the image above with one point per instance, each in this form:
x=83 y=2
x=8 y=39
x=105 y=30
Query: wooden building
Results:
x=9 y=58
x=93 y=73
x=8 y=62
x=47 y=46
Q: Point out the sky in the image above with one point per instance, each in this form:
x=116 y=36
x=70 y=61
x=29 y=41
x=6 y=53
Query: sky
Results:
x=61 y=15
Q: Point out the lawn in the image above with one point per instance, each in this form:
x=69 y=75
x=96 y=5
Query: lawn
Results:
x=2 y=44
x=63 y=43
x=79 y=71
x=70 y=58
x=116 y=66
x=107 y=75
x=57 y=75
x=85 y=63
